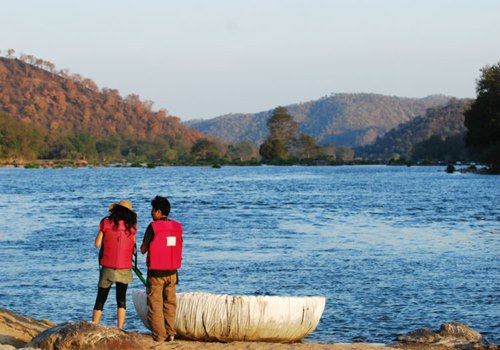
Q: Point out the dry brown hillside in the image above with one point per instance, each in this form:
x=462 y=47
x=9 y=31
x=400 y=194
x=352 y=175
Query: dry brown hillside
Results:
x=34 y=93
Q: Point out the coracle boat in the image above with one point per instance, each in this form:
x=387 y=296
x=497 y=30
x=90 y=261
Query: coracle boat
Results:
x=214 y=317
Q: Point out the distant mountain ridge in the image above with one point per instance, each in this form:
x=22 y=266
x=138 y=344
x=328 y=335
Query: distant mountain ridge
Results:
x=342 y=119
x=442 y=122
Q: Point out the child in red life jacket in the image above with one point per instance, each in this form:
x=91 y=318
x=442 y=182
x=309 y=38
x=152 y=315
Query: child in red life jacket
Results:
x=116 y=238
x=163 y=243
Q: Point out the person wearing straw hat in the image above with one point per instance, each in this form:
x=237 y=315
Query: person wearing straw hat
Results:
x=116 y=238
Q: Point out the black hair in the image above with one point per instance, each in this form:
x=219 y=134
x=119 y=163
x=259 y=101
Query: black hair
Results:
x=162 y=204
x=121 y=213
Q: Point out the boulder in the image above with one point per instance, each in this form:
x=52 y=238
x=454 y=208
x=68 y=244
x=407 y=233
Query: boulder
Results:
x=460 y=333
x=421 y=336
x=17 y=330
x=86 y=335
x=452 y=335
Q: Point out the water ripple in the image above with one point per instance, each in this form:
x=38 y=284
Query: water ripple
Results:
x=392 y=248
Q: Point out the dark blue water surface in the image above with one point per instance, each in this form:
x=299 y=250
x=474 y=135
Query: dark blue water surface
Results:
x=392 y=248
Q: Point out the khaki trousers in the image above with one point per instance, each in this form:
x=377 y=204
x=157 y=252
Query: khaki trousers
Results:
x=162 y=305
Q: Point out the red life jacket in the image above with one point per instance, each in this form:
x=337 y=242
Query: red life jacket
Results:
x=165 y=250
x=118 y=245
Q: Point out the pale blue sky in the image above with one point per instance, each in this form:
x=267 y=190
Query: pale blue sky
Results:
x=201 y=59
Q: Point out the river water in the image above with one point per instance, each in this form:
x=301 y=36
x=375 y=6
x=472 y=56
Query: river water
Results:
x=393 y=249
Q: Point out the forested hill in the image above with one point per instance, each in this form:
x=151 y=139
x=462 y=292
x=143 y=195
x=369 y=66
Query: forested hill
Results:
x=60 y=106
x=443 y=125
x=341 y=119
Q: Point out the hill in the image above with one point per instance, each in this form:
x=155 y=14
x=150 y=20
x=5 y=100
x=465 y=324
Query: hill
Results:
x=438 y=123
x=62 y=107
x=341 y=119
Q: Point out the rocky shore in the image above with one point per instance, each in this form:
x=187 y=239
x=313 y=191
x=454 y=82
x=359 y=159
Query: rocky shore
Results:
x=22 y=332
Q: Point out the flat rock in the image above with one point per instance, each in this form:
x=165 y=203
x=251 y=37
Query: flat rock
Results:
x=17 y=330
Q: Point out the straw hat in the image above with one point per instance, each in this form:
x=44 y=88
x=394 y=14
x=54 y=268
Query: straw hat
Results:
x=123 y=203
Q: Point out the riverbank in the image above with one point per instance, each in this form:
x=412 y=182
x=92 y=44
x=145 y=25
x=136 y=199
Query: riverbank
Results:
x=59 y=164
x=18 y=331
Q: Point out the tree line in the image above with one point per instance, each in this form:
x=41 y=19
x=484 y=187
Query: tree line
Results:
x=21 y=142
x=52 y=115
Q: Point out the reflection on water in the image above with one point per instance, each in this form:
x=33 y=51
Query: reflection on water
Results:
x=392 y=248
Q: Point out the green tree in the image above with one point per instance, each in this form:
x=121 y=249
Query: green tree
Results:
x=273 y=150
x=143 y=151
x=19 y=140
x=109 y=148
x=243 y=151
x=282 y=136
x=205 y=149
x=328 y=152
x=80 y=145
x=308 y=147
x=438 y=148
x=482 y=120
x=83 y=146
x=344 y=154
